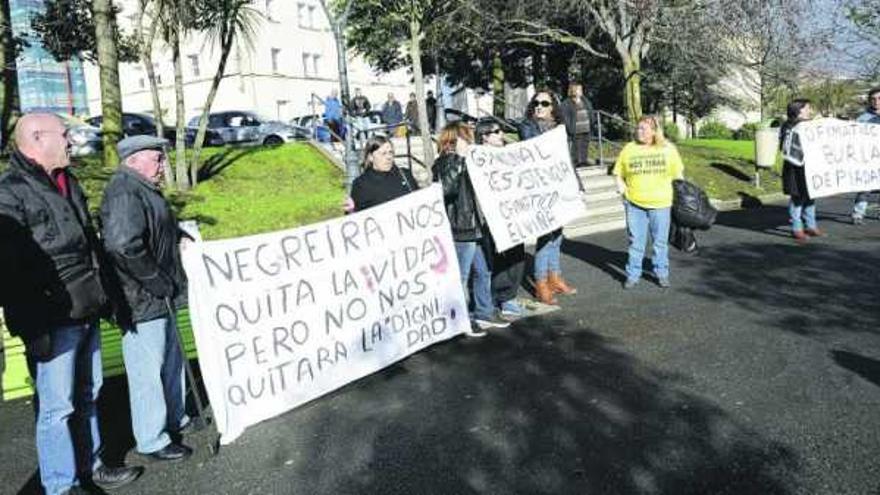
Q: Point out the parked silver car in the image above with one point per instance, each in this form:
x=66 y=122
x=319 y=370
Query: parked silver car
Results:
x=84 y=139
x=236 y=127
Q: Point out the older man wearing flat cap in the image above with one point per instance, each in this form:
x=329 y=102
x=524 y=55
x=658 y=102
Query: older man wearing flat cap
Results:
x=141 y=235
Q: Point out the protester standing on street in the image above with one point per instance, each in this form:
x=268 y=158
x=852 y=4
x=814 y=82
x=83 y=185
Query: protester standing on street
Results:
x=577 y=113
x=542 y=115
x=644 y=172
x=381 y=180
x=53 y=255
x=870 y=116
x=360 y=107
x=468 y=225
x=507 y=267
x=801 y=208
x=141 y=235
x=392 y=115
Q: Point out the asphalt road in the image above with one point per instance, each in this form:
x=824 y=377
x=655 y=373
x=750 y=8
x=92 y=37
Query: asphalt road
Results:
x=757 y=373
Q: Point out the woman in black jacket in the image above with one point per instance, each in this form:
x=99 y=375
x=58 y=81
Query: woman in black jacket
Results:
x=467 y=223
x=801 y=209
x=381 y=180
x=543 y=115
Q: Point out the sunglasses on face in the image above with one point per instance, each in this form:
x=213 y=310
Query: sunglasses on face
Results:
x=492 y=131
x=543 y=103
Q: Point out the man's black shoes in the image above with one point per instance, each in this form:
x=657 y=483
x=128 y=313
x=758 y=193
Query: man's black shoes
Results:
x=171 y=452
x=108 y=478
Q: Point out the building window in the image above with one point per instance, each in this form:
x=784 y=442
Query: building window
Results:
x=276 y=52
x=157 y=74
x=307 y=57
x=194 y=63
x=315 y=60
x=142 y=83
x=301 y=14
x=270 y=10
x=311 y=16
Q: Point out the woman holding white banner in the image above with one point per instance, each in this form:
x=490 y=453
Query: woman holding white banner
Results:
x=468 y=226
x=381 y=179
x=801 y=209
x=644 y=172
x=542 y=115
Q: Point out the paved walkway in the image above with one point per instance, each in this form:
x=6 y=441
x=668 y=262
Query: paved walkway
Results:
x=757 y=373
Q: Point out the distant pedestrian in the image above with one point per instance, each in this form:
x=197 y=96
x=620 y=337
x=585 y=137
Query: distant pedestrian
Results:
x=507 y=267
x=51 y=253
x=141 y=234
x=468 y=225
x=333 y=117
x=870 y=116
x=542 y=115
x=644 y=173
x=381 y=179
x=431 y=108
x=360 y=109
x=577 y=113
x=412 y=112
x=801 y=208
x=392 y=114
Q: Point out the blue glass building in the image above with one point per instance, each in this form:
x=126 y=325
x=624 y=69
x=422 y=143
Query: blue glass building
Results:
x=43 y=83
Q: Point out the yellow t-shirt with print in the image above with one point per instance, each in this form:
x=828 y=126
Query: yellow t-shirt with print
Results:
x=648 y=172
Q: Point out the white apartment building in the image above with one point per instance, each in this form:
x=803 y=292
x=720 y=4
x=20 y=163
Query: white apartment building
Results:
x=292 y=57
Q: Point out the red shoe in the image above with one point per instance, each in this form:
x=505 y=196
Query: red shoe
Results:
x=799 y=236
x=817 y=232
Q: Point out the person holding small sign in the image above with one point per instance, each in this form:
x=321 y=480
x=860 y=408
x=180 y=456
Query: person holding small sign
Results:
x=801 y=208
x=468 y=226
x=870 y=116
x=644 y=172
x=542 y=115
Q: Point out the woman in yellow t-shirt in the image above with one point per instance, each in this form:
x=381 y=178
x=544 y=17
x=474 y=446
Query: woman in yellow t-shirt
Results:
x=644 y=171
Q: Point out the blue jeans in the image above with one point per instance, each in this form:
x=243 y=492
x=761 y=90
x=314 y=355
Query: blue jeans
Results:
x=67 y=385
x=154 y=366
x=860 y=204
x=547 y=254
x=802 y=211
x=471 y=256
x=639 y=221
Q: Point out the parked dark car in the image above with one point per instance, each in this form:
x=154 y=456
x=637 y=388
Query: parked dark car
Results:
x=238 y=127
x=134 y=124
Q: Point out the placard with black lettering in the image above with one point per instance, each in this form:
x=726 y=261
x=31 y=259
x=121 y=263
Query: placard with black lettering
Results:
x=283 y=318
x=526 y=189
x=840 y=156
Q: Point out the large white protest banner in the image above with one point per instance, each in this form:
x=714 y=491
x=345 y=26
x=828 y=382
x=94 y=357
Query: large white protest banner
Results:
x=282 y=318
x=526 y=189
x=840 y=156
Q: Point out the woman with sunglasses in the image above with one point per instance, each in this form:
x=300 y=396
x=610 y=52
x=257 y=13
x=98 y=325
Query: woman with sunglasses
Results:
x=468 y=225
x=508 y=266
x=542 y=115
x=381 y=180
x=644 y=172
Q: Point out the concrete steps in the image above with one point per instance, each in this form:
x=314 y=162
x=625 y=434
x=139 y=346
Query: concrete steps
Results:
x=604 y=207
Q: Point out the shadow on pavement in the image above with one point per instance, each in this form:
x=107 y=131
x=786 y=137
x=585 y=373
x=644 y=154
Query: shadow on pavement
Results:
x=611 y=262
x=802 y=289
x=867 y=368
x=575 y=416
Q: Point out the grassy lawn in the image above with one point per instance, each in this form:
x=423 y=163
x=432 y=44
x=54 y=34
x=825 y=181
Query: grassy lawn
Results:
x=246 y=191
